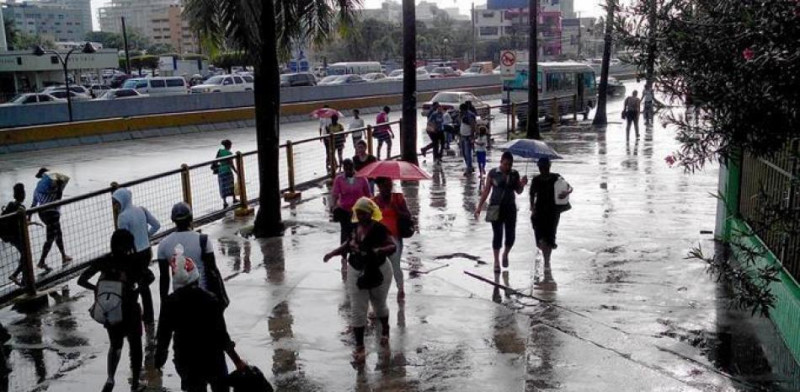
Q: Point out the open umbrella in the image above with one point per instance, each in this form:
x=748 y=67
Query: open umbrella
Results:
x=395 y=170
x=326 y=113
x=532 y=149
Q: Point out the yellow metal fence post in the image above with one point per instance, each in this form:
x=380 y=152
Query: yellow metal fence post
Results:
x=513 y=117
x=291 y=194
x=369 y=140
x=186 y=184
x=28 y=274
x=244 y=209
x=332 y=155
x=556 y=116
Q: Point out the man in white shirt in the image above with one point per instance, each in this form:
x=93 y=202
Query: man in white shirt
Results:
x=357 y=123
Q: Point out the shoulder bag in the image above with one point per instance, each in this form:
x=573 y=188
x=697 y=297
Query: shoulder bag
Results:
x=406 y=226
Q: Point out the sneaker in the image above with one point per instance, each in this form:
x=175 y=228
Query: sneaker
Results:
x=66 y=260
x=44 y=266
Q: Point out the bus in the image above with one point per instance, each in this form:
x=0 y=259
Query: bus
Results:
x=354 y=68
x=567 y=83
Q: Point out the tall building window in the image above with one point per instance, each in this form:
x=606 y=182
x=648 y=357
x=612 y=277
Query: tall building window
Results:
x=490 y=30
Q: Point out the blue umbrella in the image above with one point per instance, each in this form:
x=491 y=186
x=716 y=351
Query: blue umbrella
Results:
x=532 y=149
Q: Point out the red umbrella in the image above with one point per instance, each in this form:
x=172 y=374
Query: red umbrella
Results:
x=395 y=170
x=326 y=113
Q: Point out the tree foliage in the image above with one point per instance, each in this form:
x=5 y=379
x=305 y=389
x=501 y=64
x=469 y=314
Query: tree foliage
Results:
x=160 y=49
x=136 y=40
x=735 y=64
x=20 y=40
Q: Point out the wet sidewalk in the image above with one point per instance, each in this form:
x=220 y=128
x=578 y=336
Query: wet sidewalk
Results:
x=625 y=310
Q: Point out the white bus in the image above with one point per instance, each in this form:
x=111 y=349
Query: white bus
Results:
x=354 y=68
x=566 y=82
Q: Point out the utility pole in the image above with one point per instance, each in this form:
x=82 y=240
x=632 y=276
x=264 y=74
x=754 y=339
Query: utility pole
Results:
x=474 y=37
x=127 y=55
x=533 y=73
x=580 y=35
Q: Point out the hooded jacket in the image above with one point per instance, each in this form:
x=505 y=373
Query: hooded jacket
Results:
x=136 y=220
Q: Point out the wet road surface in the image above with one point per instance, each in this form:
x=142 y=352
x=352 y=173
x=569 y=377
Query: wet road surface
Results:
x=621 y=309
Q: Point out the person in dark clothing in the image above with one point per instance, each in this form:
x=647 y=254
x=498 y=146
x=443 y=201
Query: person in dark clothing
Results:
x=545 y=214
x=13 y=236
x=195 y=317
x=504 y=184
x=120 y=267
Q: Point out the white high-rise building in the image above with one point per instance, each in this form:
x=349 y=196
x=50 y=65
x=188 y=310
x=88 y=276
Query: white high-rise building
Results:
x=140 y=15
x=59 y=20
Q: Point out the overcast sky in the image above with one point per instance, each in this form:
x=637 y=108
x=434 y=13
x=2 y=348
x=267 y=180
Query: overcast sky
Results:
x=586 y=7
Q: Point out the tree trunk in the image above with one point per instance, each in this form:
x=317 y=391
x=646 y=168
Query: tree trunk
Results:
x=533 y=74
x=408 y=134
x=652 y=9
x=267 y=101
x=600 y=117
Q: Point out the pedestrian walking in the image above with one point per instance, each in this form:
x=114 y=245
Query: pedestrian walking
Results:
x=368 y=276
x=362 y=157
x=117 y=289
x=50 y=189
x=504 y=184
x=347 y=189
x=194 y=246
x=481 y=143
x=324 y=121
x=195 y=318
x=467 y=131
x=9 y=229
x=649 y=101
x=545 y=209
x=384 y=132
x=449 y=128
x=339 y=138
x=394 y=211
x=630 y=113
x=142 y=225
x=224 y=171
x=435 y=131
x=356 y=123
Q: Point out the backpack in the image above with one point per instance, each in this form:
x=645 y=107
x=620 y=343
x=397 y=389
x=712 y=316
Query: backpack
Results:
x=8 y=230
x=249 y=380
x=107 y=308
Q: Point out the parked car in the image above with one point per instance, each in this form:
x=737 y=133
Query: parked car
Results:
x=337 y=80
x=443 y=72
x=479 y=68
x=298 y=79
x=74 y=88
x=172 y=85
x=62 y=94
x=98 y=89
x=374 y=77
x=32 y=99
x=120 y=93
x=451 y=100
x=117 y=80
x=397 y=74
x=615 y=87
x=223 y=84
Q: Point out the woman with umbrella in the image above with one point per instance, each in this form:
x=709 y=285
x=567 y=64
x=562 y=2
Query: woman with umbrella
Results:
x=324 y=115
x=369 y=275
x=504 y=184
x=547 y=206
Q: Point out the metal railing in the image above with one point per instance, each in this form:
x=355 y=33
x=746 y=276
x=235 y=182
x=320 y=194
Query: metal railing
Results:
x=770 y=202
x=87 y=221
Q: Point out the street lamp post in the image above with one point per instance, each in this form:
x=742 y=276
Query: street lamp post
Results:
x=444 y=52
x=87 y=48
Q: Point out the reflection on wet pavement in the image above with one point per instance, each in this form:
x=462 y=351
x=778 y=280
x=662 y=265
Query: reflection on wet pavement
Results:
x=617 y=309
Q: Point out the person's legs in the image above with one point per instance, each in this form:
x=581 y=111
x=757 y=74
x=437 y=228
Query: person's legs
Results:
x=377 y=298
x=636 y=124
x=497 y=242
x=50 y=230
x=398 y=272
x=378 y=152
x=359 y=305
x=143 y=259
x=628 y=121
x=347 y=229
x=115 y=337
x=482 y=161
x=20 y=266
x=388 y=148
x=510 y=223
x=340 y=152
x=466 y=150
x=135 y=348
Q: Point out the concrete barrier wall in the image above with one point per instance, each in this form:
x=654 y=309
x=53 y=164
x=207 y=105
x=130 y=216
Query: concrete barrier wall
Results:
x=20 y=116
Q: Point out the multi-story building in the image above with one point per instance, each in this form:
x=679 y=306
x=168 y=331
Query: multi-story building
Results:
x=426 y=12
x=161 y=21
x=576 y=37
x=509 y=19
x=61 y=20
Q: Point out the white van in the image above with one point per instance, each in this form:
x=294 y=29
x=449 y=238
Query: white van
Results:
x=171 y=85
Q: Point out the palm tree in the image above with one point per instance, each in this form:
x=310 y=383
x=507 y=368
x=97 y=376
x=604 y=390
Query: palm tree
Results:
x=267 y=30
x=600 y=117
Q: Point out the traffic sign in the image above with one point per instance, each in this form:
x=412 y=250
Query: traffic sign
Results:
x=508 y=64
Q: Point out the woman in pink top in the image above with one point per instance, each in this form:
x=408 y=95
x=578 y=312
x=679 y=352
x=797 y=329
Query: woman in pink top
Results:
x=347 y=189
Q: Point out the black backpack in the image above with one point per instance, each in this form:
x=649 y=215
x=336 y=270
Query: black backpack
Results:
x=249 y=380
x=8 y=226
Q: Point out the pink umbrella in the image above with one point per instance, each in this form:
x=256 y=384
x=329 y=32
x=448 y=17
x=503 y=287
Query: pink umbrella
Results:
x=395 y=170
x=326 y=113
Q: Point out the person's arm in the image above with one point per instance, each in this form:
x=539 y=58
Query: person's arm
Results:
x=387 y=248
x=336 y=193
x=163 y=285
x=484 y=195
x=90 y=272
x=221 y=329
x=521 y=183
x=164 y=334
x=343 y=249
x=152 y=222
x=365 y=190
x=533 y=196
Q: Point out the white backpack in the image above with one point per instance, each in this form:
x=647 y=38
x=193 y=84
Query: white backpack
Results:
x=107 y=308
x=561 y=185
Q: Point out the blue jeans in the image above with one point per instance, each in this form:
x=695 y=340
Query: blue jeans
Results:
x=466 y=150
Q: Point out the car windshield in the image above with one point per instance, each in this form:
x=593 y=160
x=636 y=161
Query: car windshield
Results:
x=106 y=95
x=445 y=97
x=19 y=98
x=329 y=79
x=286 y=77
x=475 y=69
x=130 y=83
x=215 y=80
x=397 y=72
x=59 y=94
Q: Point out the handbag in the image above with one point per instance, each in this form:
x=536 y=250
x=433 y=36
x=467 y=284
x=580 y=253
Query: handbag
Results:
x=493 y=211
x=406 y=226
